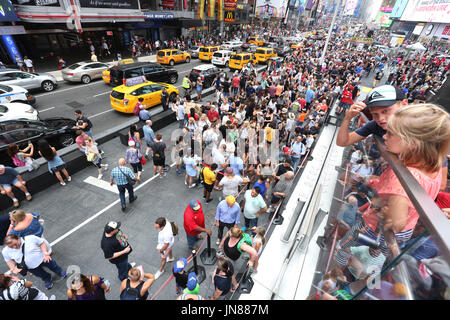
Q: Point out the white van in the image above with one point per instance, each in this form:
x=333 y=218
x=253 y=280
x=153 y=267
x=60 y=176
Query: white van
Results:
x=221 y=57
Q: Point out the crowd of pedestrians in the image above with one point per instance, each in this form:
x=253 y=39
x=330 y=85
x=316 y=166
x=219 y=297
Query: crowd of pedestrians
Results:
x=245 y=148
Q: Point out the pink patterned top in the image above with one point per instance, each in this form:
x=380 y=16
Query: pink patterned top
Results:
x=389 y=185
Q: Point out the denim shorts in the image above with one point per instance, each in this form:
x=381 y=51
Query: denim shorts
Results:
x=15 y=181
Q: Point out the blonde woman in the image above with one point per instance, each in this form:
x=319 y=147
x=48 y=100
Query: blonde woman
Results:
x=25 y=224
x=258 y=242
x=136 y=281
x=420 y=136
x=93 y=155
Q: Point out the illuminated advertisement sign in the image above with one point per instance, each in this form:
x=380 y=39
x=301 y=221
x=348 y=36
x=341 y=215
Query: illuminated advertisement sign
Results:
x=7 y=12
x=399 y=7
x=383 y=19
x=10 y=44
x=350 y=7
x=437 y=11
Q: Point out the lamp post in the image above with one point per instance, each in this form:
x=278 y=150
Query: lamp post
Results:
x=330 y=32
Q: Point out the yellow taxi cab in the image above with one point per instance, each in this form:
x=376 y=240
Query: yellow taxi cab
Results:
x=264 y=54
x=296 y=46
x=172 y=56
x=106 y=75
x=206 y=53
x=256 y=40
x=124 y=98
x=240 y=60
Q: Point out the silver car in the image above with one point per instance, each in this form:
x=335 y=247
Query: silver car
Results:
x=84 y=72
x=28 y=80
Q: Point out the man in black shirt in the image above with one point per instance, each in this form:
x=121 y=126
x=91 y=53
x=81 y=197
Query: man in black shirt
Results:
x=83 y=123
x=159 y=157
x=116 y=248
x=165 y=99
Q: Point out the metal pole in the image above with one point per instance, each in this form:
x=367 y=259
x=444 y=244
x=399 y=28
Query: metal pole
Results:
x=322 y=57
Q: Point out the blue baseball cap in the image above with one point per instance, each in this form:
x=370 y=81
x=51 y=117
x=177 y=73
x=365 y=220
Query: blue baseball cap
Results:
x=192 y=281
x=194 y=205
x=179 y=265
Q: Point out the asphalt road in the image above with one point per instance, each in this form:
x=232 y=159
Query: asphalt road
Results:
x=93 y=100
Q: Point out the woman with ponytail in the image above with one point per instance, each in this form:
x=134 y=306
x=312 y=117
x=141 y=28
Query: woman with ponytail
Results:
x=223 y=278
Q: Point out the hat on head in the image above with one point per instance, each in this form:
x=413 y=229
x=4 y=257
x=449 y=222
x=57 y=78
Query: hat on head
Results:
x=192 y=281
x=291 y=115
x=179 y=265
x=231 y=200
x=112 y=225
x=194 y=205
x=131 y=143
x=284 y=110
x=363 y=188
x=384 y=96
x=229 y=170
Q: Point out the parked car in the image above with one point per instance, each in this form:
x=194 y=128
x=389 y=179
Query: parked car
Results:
x=172 y=56
x=207 y=72
x=15 y=94
x=59 y=132
x=280 y=49
x=231 y=45
x=194 y=51
x=84 y=71
x=27 y=80
x=151 y=71
x=124 y=98
x=17 y=111
x=221 y=57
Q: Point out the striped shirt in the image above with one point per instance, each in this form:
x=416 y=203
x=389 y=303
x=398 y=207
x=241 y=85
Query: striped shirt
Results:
x=119 y=178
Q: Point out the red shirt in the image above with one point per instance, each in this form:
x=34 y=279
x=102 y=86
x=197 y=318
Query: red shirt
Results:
x=302 y=103
x=235 y=82
x=347 y=97
x=193 y=219
x=212 y=115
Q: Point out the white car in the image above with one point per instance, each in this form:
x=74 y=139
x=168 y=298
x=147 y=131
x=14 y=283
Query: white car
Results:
x=231 y=45
x=10 y=93
x=221 y=57
x=17 y=111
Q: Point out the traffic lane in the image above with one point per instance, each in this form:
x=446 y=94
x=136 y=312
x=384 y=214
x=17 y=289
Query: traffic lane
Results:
x=97 y=87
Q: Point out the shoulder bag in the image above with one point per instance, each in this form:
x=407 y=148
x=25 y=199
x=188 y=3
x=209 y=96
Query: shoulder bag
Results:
x=130 y=180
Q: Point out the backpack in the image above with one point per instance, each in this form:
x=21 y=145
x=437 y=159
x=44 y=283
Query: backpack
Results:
x=246 y=238
x=174 y=226
x=201 y=177
x=137 y=109
x=131 y=293
x=17 y=162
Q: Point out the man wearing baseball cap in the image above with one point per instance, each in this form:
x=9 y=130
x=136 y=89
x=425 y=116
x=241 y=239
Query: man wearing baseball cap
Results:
x=194 y=223
x=116 y=248
x=228 y=215
x=382 y=102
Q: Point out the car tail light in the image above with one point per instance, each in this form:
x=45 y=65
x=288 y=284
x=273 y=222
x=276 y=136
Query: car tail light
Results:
x=125 y=102
x=124 y=81
x=70 y=74
x=203 y=78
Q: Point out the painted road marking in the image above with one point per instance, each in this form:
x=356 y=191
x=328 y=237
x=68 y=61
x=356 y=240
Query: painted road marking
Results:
x=101 y=184
x=46 y=109
x=99 y=213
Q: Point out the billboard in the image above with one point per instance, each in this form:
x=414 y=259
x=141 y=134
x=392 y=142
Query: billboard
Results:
x=437 y=11
x=350 y=7
x=399 y=7
x=383 y=19
x=271 y=9
x=443 y=31
x=310 y=4
x=7 y=12
x=110 y=4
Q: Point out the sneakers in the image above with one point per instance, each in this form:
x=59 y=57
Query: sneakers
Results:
x=63 y=183
x=100 y=176
x=69 y=179
x=64 y=275
x=210 y=199
x=158 y=274
x=218 y=242
x=52 y=297
x=132 y=200
x=106 y=167
x=170 y=260
x=28 y=196
x=133 y=264
x=49 y=285
x=192 y=186
x=179 y=171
